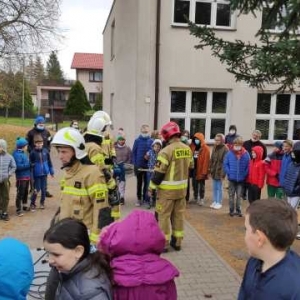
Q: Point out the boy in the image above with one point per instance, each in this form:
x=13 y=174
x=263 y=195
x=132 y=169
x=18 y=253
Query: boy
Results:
x=286 y=159
x=22 y=175
x=41 y=166
x=7 y=168
x=272 y=271
x=236 y=167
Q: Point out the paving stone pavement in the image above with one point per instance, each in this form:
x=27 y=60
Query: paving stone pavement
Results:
x=203 y=273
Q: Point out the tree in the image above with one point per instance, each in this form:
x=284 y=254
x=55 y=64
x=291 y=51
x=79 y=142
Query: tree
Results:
x=98 y=102
x=274 y=59
x=77 y=103
x=28 y=25
x=53 y=69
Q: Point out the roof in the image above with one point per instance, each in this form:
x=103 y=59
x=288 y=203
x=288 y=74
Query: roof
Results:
x=90 y=61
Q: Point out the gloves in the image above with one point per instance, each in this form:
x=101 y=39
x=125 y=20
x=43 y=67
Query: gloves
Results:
x=108 y=161
x=107 y=175
x=113 y=197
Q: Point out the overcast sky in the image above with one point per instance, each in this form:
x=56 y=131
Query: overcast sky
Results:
x=83 y=22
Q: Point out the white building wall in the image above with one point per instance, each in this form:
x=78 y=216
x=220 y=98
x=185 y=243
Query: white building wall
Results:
x=89 y=86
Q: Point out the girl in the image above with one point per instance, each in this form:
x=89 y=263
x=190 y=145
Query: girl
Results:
x=82 y=275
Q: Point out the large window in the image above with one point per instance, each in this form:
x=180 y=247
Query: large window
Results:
x=93 y=97
x=278 y=116
x=56 y=96
x=200 y=111
x=95 y=76
x=213 y=13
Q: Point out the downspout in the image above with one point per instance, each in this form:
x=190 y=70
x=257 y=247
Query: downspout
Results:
x=157 y=54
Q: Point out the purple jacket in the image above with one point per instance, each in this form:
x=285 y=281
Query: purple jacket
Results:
x=135 y=245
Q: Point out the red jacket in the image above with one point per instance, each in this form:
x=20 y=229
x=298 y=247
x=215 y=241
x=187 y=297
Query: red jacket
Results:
x=257 y=172
x=273 y=167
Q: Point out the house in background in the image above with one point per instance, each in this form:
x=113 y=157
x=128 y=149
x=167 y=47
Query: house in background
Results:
x=52 y=98
x=89 y=71
x=154 y=73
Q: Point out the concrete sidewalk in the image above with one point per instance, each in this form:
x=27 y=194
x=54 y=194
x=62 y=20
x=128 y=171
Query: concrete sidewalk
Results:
x=203 y=273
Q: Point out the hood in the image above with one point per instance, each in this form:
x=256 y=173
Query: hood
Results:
x=137 y=234
x=259 y=152
x=200 y=137
x=16 y=269
x=156 y=141
x=3 y=145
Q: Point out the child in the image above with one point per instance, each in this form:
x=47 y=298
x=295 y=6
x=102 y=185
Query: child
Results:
x=231 y=136
x=272 y=167
x=41 y=166
x=123 y=156
x=7 y=168
x=272 y=272
x=216 y=170
x=16 y=269
x=134 y=245
x=22 y=175
x=82 y=274
x=256 y=176
x=286 y=159
x=151 y=157
x=236 y=167
x=201 y=156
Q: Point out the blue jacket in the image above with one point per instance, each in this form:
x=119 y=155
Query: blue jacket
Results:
x=23 y=164
x=16 y=269
x=41 y=162
x=291 y=184
x=236 y=168
x=140 y=147
x=277 y=283
x=286 y=160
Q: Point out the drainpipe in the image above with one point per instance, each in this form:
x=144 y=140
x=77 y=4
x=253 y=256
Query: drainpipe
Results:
x=157 y=53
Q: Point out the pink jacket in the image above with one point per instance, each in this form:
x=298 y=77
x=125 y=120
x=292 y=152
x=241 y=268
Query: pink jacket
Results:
x=135 y=245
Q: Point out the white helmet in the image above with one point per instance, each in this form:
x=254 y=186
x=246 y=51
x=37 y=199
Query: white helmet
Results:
x=71 y=137
x=96 y=126
x=103 y=115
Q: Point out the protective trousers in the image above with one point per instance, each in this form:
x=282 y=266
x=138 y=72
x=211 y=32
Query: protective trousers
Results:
x=171 y=211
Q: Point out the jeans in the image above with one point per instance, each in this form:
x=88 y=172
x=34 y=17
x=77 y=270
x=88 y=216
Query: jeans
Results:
x=235 y=190
x=141 y=188
x=199 y=188
x=39 y=186
x=22 y=193
x=217 y=190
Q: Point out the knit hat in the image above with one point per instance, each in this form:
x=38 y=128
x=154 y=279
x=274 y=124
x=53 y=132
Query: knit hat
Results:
x=120 y=138
x=39 y=119
x=21 y=142
x=3 y=145
x=157 y=141
x=278 y=145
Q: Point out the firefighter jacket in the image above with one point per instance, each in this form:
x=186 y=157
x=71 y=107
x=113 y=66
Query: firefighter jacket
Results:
x=85 y=197
x=174 y=161
x=108 y=147
x=96 y=154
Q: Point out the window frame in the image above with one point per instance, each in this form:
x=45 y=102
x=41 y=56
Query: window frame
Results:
x=213 y=17
x=93 y=73
x=291 y=117
x=207 y=116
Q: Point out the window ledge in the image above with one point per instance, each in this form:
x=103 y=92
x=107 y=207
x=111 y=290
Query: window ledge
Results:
x=217 y=28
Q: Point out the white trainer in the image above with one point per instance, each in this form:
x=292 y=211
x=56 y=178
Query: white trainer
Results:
x=213 y=205
x=218 y=206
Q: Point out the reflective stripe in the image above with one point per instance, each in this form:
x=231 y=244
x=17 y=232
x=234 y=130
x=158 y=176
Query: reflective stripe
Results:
x=152 y=186
x=163 y=160
x=178 y=233
x=115 y=214
x=98 y=158
x=172 y=170
x=111 y=185
x=106 y=142
x=172 y=187
x=96 y=188
x=174 y=182
x=94 y=237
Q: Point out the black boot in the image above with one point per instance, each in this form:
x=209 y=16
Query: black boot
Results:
x=173 y=244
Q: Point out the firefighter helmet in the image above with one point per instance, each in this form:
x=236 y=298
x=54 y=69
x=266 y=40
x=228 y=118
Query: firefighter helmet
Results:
x=96 y=126
x=169 y=130
x=70 y=137
x=103 y=115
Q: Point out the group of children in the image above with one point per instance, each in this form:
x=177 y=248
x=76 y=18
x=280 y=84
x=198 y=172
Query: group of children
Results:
x=31 y=171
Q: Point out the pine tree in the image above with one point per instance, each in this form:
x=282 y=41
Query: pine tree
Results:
x=54 y=71
x=275 y=60
x=77 y=103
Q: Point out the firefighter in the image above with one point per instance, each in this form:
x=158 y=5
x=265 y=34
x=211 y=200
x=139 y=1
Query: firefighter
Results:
x=107 y=143
x=170 y=180
x=93 y=138
x=84 y=193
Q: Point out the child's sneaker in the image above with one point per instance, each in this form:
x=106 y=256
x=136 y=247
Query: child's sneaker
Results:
x=217 y=206
x=32 y=208
x=213 y=205
x=25 y=208
x=42 y=206
x=5 y=217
